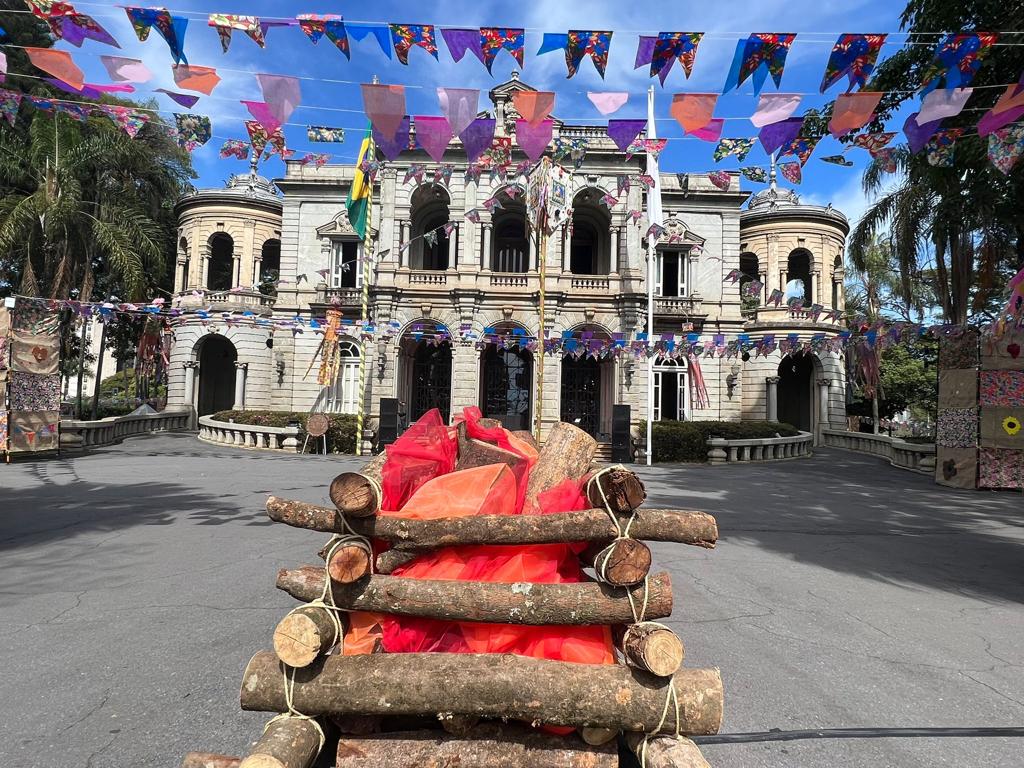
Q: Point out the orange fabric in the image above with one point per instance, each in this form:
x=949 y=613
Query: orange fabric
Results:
x=424 y=451
x=57 y=63
x=488 y=490
x=195 y=78
x=693 y=110
x=534 y=106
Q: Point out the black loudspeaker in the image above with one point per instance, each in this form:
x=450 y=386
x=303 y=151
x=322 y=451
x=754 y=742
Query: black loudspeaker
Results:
x=387 y=431
x=622 y=443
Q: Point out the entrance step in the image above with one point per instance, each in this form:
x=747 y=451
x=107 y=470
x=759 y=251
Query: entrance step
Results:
x=604 y=453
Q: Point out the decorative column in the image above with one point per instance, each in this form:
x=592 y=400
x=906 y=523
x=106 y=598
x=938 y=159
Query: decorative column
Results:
x=191 y=366
x=613 y=258
x=182 y=270
x=485 y=254
x=240 y=371
x=403 y=228
x=823 y=387
x=206 y=270
x=257 y=268
x=772 y=398
x=533 y=265
x=453 y=252
x=763 y=278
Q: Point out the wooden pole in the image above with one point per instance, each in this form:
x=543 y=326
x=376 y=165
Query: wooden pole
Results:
x=288 y=742
x=567 y=454
x=653 y=648
x=491 y=686
x=305 y=634
x=667 y=752
x=355 y=493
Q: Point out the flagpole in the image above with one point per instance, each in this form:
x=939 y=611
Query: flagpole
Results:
x=365 y=302
x=654 y=217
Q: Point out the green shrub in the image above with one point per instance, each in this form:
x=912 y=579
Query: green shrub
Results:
x=688 y=440
x=341 y=436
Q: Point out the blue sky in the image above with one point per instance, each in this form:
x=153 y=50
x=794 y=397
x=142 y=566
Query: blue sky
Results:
x=332 y=96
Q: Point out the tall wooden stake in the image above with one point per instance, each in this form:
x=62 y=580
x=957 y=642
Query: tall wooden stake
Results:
x=542 y=247
x=365 y=312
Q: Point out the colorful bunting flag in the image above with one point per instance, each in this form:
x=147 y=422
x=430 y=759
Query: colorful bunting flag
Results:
x=196 y=78
x=224 y=23
x=533 y=139
x=754 y=173
x=939 y=150
x=693 y=110
x=10 y=101
x=129 y=120
x=957 y=59
x=68 y=24
x=1005 y=147
x=476 y=137
x=461 y=40
x=122 y=70
x=760 y=55
x=259 y=136
x=670 y=46
x=281 y=93
x=710 y=132
x=473 y=215
x=721 y=179
x=333 y=26
x=837 y=160
x=802 y=147
x=324 y=134
x=918 y=134
x=792 y=171
x=384 y=106
x=940 y=104
x=316 y=159
x=405 y=37
x=235 y=148
x=776 y=135
x=414 y=173
x=574 y=149
x=852 y=111
x=495 y=39
x=580 y=43
x=443 y=175
x=459 y=106
x=380 y=32
x=193 y=130
x=774 y=108
x=434 y=135
x=533 y=106
x=873 y=141
x=553 y=41
x=391 y=146
x=738 y=147
x=886 y=158
x=853 y=55
x=263 y=115
x=171 y=28
x=187 y=100
x=57 y=63
x=623 y=132
x=1006 y=110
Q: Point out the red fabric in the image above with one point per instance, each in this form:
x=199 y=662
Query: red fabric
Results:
x=424 y=451
x=501 y=437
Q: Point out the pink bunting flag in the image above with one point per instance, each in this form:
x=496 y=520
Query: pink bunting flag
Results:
x=385 y=106
x=693 y=110
x=533 y=139
x=853 y=111
x=533 y=106
x=122 y=70
x=941 y=103
x=721 y=179
x=608 y=103
x=3 y=66
x=710 y=132
x=792 y=171
x=434 y=135
x=57 y=63
x=459 y=106
x=774 y=108
x=263 y=115
x=281 y=93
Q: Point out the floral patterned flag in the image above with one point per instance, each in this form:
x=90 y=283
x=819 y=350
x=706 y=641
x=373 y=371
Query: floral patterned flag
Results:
x=792 y=171
x=886 y=158
x=762 y=54
x=957 y=59
x=171 y=28
x=622 y=184
x=259 y=136
x=853 y=55
x=837 y=160
x=443 y=174
x=193 y=130
x=473 y=215
x=407 y=36
x=495 y=39
x=721 y=179
x=668 y=47
x=609 y=201
x=754 y=173
x=127 y=119
x=1005 y=147
x=414 y=173
x=802 y=147
x=939 y=150
x=316 y=26
x=235 y=148
x=574 y=149
x=317 y=159
x=10 y=101
x=580 y=43
x=323 y=134
x=739 y=147
x=873 y=141
x=225 y=22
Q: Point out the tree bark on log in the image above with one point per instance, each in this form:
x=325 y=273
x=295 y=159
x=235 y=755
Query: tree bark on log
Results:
x=349 y=563
x=304 y=634
x=354 y=494
x=673 y=525
x=567 y=453
x=292 y=742
x=491 y=686
x=209 y=760
x=527 y=437
x=622 y=563
x=623 y=490
x=653 y=648
x=667 y=752
x=388 y=561
x=478 y=453
x=487 y=746
x=519 y=603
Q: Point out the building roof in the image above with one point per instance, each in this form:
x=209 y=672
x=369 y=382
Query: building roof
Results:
x=241 y=189
x=776 y=204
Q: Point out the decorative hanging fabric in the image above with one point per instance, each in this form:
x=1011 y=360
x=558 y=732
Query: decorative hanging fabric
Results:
x=391 y=146
x=852 y=111
x=760 y=55
x=886 y=158
x=939 y=149
x=224 y=23
x=193 y=130
x=792 y=171
x=187 y=100
x=433 y=134
x=918 y=134
x=957 y=59
x=235 y=148
x=67 y=24
x=693 y=110
x=754 y=173
x=738 y=147
x=459 y=41
x=333 y=26
x=854 y=55
x=1006 y=110
x=710 y=132
x=1005 y=147
x=459 y=106
x=580 y=43
x=774 y=108
x=533 y=106
x=873 y=141
x=476 y=137
x=774 y=136
x=196 y=78
x=553 y=41
x=57 y=63
x=259 y=136
x=608 y=103
x=129 y=120
x=574 y=149
x=10 y=101
x=801 y=146
x=282 y=94
x=324 y=134
x=496 y=39
x=316 y=159
x=122 y=70
x=380 y=32
x=721 y=179
x=671 y=46
x=837 y=160
x=262 y=113
x=385 y=106
x=405 y=37
x=623 y=132
x=171 y=28
x=533 y=139
x=940 y=104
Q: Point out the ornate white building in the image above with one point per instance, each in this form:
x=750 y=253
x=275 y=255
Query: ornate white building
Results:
x=485 y=276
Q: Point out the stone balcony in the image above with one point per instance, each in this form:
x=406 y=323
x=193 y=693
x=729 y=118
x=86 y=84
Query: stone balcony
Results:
x=679 y=306
x=346 y=297
x=787 y=317
x=234 y=300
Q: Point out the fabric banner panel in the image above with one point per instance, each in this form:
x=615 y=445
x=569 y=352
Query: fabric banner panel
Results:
x=34 y=317
x=5 y=322
x=34 y=392
x=957 y=428
x=959 y=350
x=3 y=430
x=33 y=431
x=958 y=388
x=1005 y=353
x=34 y=353
x=956 y=467
x=1000 y=468
x=1001 y=428
x=1002 y=388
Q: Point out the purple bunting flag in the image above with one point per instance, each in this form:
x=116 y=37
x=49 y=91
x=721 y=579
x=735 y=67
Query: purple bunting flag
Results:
x=433 y=134
x=461 y=40
x=476 y=137
x=534 y=139
x=623 y=132
x=776 y=135
x=392 y=146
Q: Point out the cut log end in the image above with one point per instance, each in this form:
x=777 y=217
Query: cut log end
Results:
x=290 y=742
x=666 y=752
x=619 y=488
x=354 y=494
x=304 y=635
x=597 y=736
x=349 y=563
x=209 y=760
x=653 y=648
x=622 y=563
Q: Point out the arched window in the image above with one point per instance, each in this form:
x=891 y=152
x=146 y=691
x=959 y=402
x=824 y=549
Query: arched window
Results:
x=510 y=249
x=749 y=272
x=430 y=213
x=270 y=261
x=837 y=281
x=222 y=262
x=671 y=391
x=590 y=245
x=798 y=276
x=343 y=397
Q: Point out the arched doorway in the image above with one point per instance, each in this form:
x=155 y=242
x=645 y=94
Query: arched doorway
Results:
x=217 y=358
x=270 y=262
x=222 y=262
x=795 y=393
x=506 y=385
x=589 y=246
x=425 y=372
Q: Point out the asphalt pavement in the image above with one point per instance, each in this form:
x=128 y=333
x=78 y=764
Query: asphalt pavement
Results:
x=137 y=580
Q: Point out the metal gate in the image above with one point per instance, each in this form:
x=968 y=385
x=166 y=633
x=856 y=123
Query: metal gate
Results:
x=581 y=393
x=507 y=384
x=431 y=381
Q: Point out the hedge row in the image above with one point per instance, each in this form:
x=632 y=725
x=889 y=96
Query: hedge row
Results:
x=688 y=440
x=341 y=437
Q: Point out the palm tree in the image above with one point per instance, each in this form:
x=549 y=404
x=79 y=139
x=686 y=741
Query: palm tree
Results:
x=85 y=197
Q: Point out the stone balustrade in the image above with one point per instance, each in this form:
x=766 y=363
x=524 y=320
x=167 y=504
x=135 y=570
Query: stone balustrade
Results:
x=76 y=434
x=285 y=439
x=722 y=451
x=917 y=457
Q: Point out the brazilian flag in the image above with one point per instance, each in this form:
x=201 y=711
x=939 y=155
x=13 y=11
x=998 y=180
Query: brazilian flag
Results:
x=358 y=203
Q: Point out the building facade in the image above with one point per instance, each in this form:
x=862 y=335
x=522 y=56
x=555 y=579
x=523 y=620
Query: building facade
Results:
x=486 y=275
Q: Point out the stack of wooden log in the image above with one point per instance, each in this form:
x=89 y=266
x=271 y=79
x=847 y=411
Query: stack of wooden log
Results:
x=400 y=710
